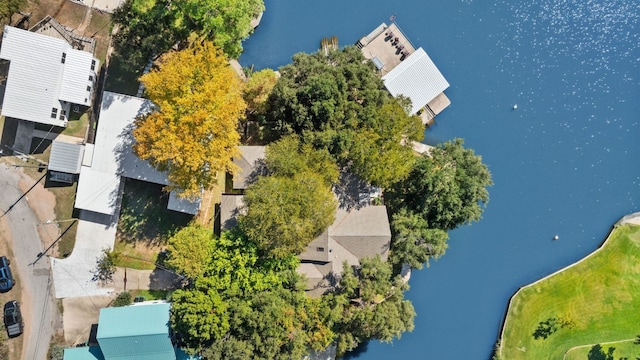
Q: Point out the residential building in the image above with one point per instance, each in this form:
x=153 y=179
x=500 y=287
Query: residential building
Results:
x=111 y=158
x=135 y=332
x=46 y=77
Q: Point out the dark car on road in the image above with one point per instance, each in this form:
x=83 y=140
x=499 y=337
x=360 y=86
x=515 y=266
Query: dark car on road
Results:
x=6 y=279
x=13 y=318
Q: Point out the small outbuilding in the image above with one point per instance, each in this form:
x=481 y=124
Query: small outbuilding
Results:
x=65 y=160
x=134 y=332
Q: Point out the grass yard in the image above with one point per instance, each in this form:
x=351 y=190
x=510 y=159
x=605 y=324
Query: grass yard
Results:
x=595 y=301
x=145 y=224
x=623 y=349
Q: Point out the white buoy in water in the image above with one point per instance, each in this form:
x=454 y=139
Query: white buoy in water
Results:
x=515 y=107
x=556 y=237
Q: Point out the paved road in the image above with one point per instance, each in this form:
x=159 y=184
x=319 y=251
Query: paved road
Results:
x=38 y=304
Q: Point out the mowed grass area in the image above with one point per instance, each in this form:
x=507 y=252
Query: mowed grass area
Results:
x=622 y=350
x=598 y=301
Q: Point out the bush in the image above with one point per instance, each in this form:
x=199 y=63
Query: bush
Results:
x=56 y=352
x=123 y=299
x=105 y=266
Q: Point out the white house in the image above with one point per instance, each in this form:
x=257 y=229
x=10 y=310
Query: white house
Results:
x=111 y=157
x=46 y=76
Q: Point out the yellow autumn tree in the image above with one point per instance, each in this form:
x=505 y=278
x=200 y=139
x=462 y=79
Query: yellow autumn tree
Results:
x=192 y=134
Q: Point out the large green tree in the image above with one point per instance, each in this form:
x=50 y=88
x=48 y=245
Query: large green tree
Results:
x=414 y=243
x=293 y=203
x=146 y=30
x=149 y=28
x=447 y=188
x=190 y=251
x=337 y=101
x=289 y=157
x=246 y=306
x=201 y=313
x=370 y=305
x=283 y=214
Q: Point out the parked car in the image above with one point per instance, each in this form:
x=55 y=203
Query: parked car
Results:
x=13 y=318
x=6 y=279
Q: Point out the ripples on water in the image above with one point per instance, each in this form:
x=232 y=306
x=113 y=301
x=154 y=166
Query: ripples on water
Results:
x=596 y=35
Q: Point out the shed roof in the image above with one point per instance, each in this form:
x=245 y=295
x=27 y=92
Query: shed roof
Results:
x=249 y=158
x=417 y=78
x=186 y=206
x=66 y=157
x=138 y=332
x=230 y=207
x=39 y=81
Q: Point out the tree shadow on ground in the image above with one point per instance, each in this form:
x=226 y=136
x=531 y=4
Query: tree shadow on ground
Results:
x=598 y=353
x=144 y=216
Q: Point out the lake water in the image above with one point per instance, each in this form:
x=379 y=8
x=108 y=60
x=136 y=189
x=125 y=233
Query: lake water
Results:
x=566 y=162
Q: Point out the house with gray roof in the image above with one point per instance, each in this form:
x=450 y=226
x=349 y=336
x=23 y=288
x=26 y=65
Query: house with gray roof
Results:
x=356 y=233
x=361 y=229
x=46 y=77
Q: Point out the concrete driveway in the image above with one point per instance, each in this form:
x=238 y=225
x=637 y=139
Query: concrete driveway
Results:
x=20 y=223
x=73 y=276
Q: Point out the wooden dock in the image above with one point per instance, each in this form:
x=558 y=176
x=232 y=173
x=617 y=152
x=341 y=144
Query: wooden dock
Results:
x=379 y=44
x=387 y=47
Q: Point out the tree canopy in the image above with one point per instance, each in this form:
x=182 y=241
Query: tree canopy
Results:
x=293 y=203
x=447 y=188
x=414 y=243
x=190 y=251
x=259 y=86
x=243 y=304
x=337 y=102
x=192 y=135
x=8 y=8
x=368 y=304
x=149 y=28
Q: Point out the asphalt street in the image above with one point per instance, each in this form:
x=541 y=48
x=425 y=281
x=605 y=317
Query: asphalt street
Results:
x=38 y=305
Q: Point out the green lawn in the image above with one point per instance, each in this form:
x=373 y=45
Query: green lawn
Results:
x=624 y=349
x=145 y=224
x=597 y=301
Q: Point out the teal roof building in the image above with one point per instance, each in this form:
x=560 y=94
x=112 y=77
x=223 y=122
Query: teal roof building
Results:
x=135 y=332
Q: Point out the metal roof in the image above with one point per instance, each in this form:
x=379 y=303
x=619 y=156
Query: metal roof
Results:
x=78 y=78
x=37 y=73
x=138 y=332
x=186 y=206
x=83 y=353
x=66 y=157
x=97 y=191
x=417 y=78
x=113 y=152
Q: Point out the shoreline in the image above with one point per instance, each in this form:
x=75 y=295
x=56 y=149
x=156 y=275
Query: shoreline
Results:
x=633 y=218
